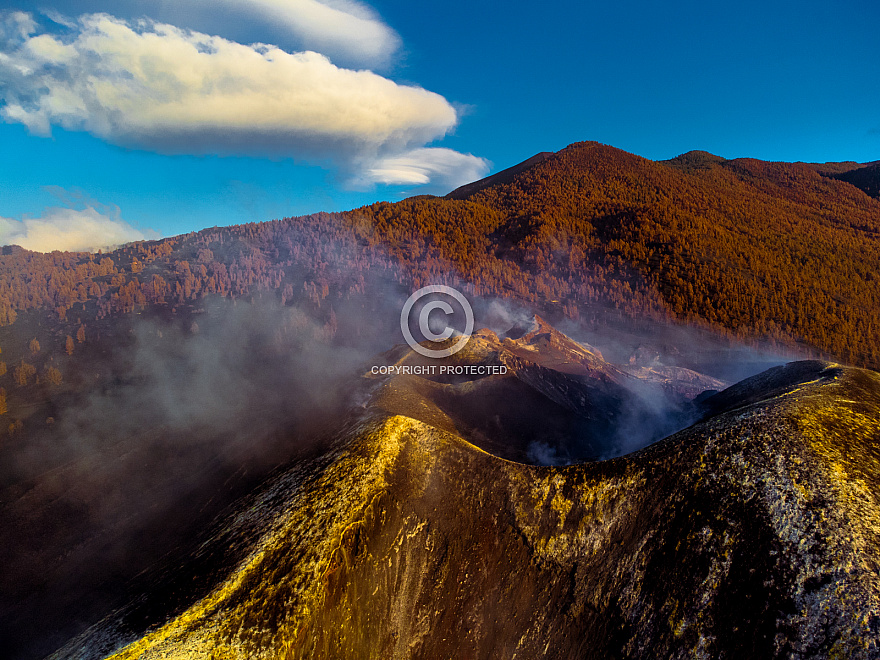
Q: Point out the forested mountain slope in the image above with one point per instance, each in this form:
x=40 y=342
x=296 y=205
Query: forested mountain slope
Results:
x=747 y=247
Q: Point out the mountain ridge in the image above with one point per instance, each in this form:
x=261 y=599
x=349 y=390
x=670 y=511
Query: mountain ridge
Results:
x=589 y=227
x=684 y=547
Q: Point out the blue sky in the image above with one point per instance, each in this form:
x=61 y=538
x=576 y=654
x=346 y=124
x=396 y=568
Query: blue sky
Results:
x=123 y=119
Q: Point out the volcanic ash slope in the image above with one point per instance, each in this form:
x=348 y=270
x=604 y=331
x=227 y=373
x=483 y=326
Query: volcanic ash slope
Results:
x=755 y=533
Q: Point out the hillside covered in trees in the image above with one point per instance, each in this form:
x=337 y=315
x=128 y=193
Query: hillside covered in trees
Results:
x=752 y=248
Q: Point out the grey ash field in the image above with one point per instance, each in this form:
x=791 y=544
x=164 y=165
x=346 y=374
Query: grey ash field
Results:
x=426 y=530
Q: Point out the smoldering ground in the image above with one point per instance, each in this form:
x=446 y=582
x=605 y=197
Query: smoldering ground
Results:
x=190 y=414
x=672 y=364
x=662 y=365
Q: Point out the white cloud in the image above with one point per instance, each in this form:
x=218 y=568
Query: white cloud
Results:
x=17 y=24
x=445 y=168
x=68 y=230
x=342 y=27
x=349 y=32
x=151 y=85
x=154 y=86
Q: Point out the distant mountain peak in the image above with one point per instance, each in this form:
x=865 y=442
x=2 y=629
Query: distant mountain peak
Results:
x=504 y=176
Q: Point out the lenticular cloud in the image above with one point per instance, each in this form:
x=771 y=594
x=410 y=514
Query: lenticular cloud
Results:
x=154 y=86
x=443 y=167
x=150 y=85
x=334 y=27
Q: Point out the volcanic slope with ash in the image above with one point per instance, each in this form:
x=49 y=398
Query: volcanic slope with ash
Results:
x=755 y=532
